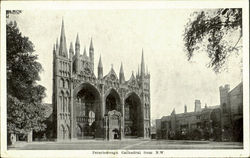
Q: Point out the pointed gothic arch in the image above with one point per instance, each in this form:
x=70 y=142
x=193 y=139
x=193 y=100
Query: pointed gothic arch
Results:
x=61 y=101
x=112 y=100
x=62 y=131
x=86 y=99
x=133 y=115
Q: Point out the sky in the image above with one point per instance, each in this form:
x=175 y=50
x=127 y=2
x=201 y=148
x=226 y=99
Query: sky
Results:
x=119 y=36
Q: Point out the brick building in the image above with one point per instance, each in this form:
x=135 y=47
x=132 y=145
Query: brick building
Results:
x=221 y=122
x=86 y=106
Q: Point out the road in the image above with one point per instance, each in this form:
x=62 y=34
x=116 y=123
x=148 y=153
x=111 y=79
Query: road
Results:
x=133 y=144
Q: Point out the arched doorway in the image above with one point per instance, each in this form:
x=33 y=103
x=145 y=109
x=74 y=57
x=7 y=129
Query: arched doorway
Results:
x=115 y=133
x=133 y=116
x=62 y=132
x=86 y=110
x=112 y=101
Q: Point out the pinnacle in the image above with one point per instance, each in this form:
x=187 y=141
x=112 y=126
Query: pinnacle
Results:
x=100 y=62
x=85 y=52
x=62 y=47
x=121 y=69
x=77 y=39
x=142 y=64
x=71 y=47
x=91 y=45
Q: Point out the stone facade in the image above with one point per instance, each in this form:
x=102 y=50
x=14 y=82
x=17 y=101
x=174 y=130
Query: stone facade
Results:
x=231 y=103
x=86 y=106
x=222 y=122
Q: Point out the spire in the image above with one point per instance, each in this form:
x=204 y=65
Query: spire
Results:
x=71 y=50
x=84 y=52
x=63 y=48
x=121 y=69
x=138 y=70
x=142 y=64
x=121 y=74
x=173 y=112
x=56 y=43
x=77 y=45
x=100 y=68
x=77 y=39
x=54 y=48
x=91 y=45
x=91 y=51
x=100 y=62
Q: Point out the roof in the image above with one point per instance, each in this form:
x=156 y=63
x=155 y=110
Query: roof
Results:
x=189 y=114
x=237 y=88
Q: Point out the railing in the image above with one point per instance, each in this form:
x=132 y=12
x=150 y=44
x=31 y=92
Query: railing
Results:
x=82 y=119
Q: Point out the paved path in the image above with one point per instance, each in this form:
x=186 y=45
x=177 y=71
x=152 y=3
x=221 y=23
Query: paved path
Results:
x=125 y=144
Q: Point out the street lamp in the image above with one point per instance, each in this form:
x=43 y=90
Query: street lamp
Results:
x=106 y=126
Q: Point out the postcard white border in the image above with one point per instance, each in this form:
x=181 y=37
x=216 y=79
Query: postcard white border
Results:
x=66 y=5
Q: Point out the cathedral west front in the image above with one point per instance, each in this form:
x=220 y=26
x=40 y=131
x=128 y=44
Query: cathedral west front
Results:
x=89 y=106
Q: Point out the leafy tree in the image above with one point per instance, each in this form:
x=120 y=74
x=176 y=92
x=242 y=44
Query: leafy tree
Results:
x=214 y=31
x=25 y=111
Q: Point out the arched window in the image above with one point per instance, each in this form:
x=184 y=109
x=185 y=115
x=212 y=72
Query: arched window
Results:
x=62 y=132
x=67 y=107
x=61 y=83
x=61 y=101
x=66 y=84
x=60 y=65
x=65 y=104
x=69 y=104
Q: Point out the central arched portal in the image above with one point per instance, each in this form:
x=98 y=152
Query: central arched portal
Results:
x=113 y=101
x=133 y=116
x=113 y=111
x=86 y=111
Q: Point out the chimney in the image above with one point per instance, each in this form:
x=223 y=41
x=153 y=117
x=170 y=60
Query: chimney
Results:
x=185 y=109
x=197 y=104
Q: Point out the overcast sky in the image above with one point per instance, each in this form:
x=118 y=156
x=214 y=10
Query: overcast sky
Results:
x=119 y=36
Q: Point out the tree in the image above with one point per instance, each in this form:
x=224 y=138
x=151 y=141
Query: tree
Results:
x=25 y=111
x=214 y=31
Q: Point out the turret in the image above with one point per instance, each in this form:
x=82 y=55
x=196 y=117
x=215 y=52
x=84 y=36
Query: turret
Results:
x=121 y=74
x=91 y=51
x=84 y=52
x=77 y=52
x=100 y=69
x=77 y=46
x=63 y=46
x=173 y=112
x=138 y=72
x=142 y=65
x=54 y=49
x=71 y=51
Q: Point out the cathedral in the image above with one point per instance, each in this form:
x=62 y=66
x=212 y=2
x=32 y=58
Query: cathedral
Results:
x=86 y=106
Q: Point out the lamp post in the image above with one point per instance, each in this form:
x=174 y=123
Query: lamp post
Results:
x=106 y=126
